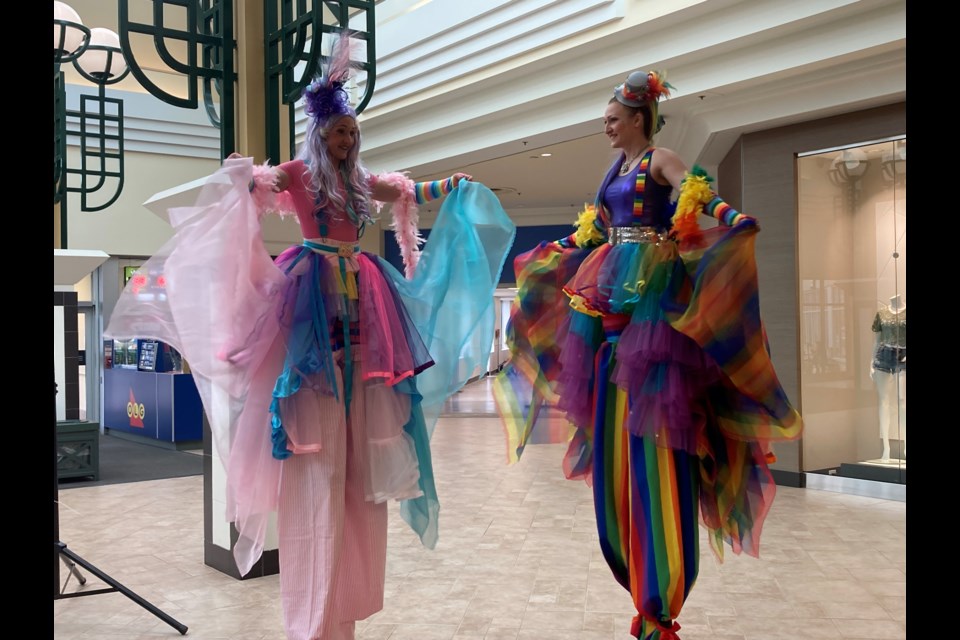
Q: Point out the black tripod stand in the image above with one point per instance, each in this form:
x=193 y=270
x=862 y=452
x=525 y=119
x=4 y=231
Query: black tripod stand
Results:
x=71 y=559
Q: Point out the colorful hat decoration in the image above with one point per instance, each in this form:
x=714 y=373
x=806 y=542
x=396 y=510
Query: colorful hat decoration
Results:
x=325 y=96
x=641 y=87
x=644 y=88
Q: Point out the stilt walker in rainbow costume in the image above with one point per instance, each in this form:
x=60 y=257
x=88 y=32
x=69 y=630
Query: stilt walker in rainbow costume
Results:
x=638 y=340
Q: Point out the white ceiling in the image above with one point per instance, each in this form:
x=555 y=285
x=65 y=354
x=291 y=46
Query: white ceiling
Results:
x=529 y=184
x=702 y=126
x=528 y=180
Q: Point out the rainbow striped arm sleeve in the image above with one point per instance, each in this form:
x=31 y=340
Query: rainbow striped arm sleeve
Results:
x=569 y=242
x=718 y=208
x=427 y=191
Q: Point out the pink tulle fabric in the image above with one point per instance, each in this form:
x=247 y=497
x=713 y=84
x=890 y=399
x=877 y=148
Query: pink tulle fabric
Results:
x=218 y=307
x=214 y=293
x=385 y=346
x=215 y=269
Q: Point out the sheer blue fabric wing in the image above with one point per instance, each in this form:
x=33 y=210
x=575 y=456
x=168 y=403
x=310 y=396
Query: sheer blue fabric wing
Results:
x=450 y=300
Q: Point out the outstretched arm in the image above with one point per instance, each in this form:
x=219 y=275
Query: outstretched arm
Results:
x=427 y=191
x=423 y=191
x=697 y=196
x=283 y=178
x=667 y=168
x=268 y=188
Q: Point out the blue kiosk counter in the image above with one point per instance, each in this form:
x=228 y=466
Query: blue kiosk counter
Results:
x=146 y=396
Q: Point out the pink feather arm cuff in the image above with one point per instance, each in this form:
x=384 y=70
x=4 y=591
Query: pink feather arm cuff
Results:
x=263 y=189
x=406 y=218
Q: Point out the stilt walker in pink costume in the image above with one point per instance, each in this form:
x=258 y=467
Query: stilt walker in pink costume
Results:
x=322 y=372
x=643 y=332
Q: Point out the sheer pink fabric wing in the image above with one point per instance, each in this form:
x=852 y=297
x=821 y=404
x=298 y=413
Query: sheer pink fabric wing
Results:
x=212 y=292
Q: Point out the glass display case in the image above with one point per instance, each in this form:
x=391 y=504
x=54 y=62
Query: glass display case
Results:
x=853 y=310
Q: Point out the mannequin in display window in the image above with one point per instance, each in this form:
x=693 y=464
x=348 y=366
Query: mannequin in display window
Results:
x=888 y=370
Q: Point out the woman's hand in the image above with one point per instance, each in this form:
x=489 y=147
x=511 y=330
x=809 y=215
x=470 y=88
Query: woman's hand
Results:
x=457 y=177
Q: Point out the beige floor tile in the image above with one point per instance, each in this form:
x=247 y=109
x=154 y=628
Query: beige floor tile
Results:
x=376 y=631
x=423 y=632
x=895 y=606
x=548 y=621
x=562 y=634
x=873 y=629
x=766 y=629
x=518 y=559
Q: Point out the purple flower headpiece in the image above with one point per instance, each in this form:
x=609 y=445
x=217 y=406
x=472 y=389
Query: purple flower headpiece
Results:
x=325 y=97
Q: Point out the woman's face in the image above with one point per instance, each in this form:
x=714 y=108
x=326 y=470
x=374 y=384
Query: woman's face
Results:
x=623 y=127
x=342 y=138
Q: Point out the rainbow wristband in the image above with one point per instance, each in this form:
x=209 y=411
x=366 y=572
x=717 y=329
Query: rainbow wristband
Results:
x=570 y=242
x=719 y=209
x=427 y=191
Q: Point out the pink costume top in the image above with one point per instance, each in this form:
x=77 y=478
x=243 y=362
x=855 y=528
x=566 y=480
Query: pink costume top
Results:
x=339 y=226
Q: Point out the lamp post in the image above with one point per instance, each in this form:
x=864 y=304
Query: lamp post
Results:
x=98 y=122
x=70 y=39
x=103 y=57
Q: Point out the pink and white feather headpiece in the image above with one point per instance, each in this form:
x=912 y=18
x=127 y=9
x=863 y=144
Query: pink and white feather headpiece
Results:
x=325 y=96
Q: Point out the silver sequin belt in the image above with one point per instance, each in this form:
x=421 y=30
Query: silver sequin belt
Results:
x=634 y=235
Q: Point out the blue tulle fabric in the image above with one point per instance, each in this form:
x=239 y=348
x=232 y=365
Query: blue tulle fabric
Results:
x=450 y=299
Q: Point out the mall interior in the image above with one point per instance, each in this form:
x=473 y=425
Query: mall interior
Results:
x=798 y=109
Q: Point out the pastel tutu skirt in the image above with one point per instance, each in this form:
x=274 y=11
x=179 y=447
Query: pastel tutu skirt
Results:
x=342 y=312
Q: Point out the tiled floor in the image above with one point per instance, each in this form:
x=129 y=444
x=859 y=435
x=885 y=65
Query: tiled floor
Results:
x=517 y=560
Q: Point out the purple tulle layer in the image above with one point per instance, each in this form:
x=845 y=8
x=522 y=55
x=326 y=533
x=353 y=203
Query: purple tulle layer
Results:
x=664 y=372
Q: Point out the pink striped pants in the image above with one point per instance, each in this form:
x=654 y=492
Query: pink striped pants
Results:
x=332 y=540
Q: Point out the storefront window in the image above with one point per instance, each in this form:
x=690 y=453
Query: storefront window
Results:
x=853 y=304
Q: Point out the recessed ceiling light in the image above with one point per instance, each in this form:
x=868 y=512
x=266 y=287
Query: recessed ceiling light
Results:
x=545 y=155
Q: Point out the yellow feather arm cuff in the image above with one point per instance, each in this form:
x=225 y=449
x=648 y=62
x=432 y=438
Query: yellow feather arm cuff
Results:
x=587 y=233
x=695 y=192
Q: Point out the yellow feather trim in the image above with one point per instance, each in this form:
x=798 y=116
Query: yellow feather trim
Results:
x=587 y=233
x=694 y=193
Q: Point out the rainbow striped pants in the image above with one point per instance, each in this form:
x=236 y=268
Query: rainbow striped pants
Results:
x=646 y=501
